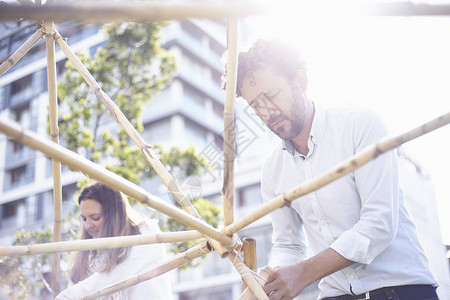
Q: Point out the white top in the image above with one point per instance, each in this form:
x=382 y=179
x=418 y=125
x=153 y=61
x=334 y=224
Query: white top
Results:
x=362 y=215
x=140 y=259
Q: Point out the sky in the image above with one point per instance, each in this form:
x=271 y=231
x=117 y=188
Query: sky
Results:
x=397 y=66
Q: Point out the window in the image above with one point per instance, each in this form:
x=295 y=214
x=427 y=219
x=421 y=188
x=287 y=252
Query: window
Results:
x=249 y=195
x=19 y=176
x=13 y=214
x=21 y=84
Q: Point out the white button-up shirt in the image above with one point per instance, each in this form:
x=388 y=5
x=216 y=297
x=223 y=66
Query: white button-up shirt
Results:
x=361 y=216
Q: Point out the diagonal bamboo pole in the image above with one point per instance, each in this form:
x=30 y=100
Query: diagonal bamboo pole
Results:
x=19 y=53
x=93 y=11
x=247 y=276
x=354 y=162
x=56 y=165
x=170 y=264
x=101 y=243
x=229 y=141
x=262 y=277
x=151 y=157
x=77 y=162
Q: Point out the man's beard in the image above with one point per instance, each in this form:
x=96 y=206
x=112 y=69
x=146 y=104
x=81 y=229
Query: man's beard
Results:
x=295 y=120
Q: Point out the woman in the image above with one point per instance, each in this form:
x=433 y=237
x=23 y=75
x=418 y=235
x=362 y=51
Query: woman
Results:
x=107 y=213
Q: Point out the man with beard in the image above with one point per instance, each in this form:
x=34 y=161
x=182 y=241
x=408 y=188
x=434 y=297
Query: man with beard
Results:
x=363 y=242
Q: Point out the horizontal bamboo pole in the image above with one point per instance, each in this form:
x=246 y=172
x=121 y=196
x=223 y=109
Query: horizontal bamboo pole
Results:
x=139 y=11
x=354 y=162
x=101 y=243
x=170 y=264
x=21 y=51
x=77 y=162
x=247 y=276
x=262 y=277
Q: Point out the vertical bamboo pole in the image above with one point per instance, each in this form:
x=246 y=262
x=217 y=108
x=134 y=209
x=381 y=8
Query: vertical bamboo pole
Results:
x=56 y=165
x=131 y=131
x=249 y=253
x=19 y=53
x=229 y=143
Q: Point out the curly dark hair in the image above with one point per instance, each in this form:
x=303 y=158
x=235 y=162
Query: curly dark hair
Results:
x=281 y=57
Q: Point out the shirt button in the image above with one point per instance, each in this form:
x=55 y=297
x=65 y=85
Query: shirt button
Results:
x=323 y=222
x=351 y=277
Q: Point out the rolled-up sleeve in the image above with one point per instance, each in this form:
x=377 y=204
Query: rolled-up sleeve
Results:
x=377 y=186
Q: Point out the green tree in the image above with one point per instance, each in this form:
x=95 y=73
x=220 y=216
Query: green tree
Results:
x=131 y=68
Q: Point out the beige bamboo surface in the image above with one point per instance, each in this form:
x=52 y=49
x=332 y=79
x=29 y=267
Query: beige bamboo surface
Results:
x=247 y=276
x=262 y=277
x=101 y=243
x=150 y=156
x=172 y=263
x=77 y=162
x=229 y=135
x=56 y=165
x=93 y=11
x=21 y=51
x=352 y=163
x=249 y=254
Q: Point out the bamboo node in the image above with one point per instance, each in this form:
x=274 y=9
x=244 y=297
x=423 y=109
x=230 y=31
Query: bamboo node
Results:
x=286 y=201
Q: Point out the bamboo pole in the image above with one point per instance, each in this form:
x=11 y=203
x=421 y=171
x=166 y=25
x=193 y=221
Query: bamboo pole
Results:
x=56 y=165
x=77 y=162
x=262 y=277
x=247 y=276
x=101 y=243
x=151 y=157
x=19 y=53
x=249 y=254
x=137 y=11
x=229 y=141
x=167 y=266
x=354 y=162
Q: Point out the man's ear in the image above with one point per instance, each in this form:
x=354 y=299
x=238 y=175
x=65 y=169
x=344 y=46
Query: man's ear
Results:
x=302 y=79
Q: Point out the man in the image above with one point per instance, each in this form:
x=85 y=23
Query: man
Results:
x=364 y=243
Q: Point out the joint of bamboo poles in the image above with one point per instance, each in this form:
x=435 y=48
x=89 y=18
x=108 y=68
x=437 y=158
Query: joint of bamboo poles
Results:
x=247 y=276
x=21 y=51
x=101 y=243
x=262 y=277
x=359 y=159
x=170 y=264
x=77 y=162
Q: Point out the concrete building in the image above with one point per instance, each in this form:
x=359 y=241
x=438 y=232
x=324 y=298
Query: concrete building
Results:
x=189 y=111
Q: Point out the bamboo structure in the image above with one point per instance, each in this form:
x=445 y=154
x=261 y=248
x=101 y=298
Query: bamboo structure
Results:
x=225 y=242
x=170 y=264
x=101 y=243
x=56 y=165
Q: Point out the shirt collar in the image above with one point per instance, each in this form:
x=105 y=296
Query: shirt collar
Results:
x=317 y=128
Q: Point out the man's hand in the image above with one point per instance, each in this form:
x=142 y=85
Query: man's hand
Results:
x=285 y=283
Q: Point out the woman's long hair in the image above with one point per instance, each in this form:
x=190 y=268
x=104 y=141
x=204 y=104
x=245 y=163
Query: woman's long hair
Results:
x=116 y=222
